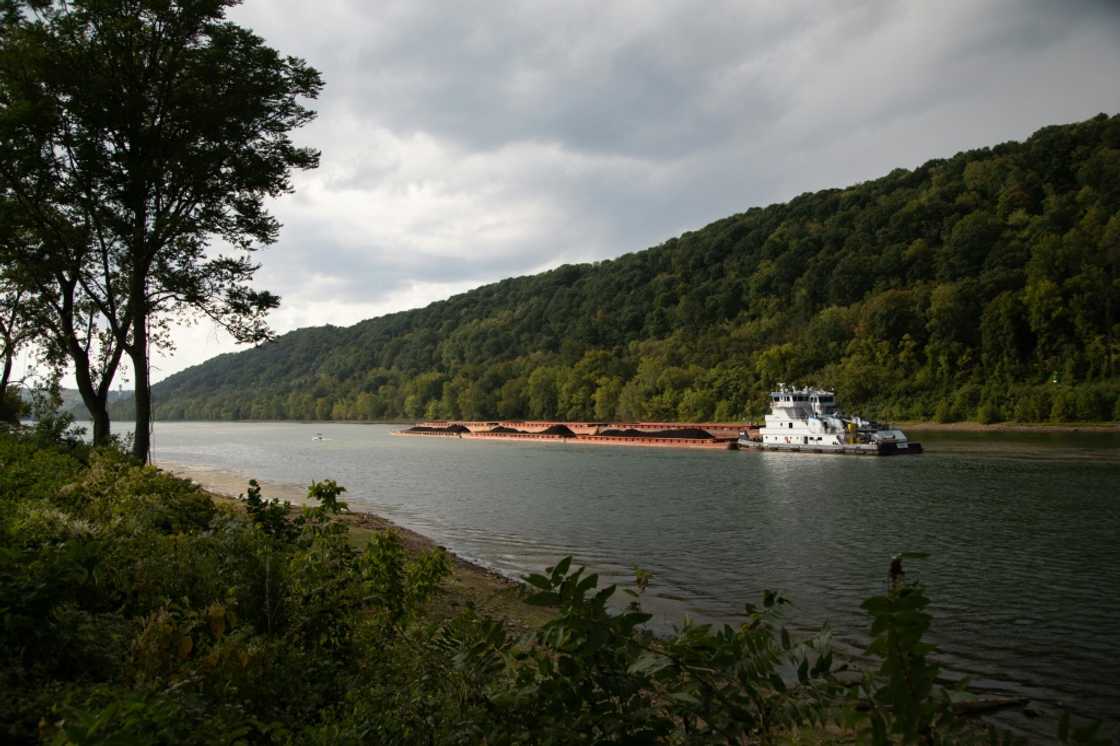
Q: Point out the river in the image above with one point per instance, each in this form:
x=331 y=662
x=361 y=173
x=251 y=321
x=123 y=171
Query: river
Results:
x=1022 y=531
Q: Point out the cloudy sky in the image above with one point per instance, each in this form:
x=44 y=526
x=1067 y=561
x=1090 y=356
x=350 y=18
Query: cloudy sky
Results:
x=470 y=141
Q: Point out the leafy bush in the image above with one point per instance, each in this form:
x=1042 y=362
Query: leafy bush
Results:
x=28 y=470
x=988 y=412
x=1032 y=404
x=946 y=412
x=187 y=623
x=904 y=702
x=115 y=490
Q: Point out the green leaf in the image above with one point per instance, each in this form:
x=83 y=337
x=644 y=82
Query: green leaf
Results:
x=686 y=697
x=634 y=618
x=603 y=595
x=649 y=663
x=588 y=583
x=562 y=568
x=539 y=581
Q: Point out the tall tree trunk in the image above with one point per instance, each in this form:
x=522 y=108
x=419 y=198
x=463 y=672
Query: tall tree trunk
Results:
x=8 y=414
x=142 y=442
x=96 y=398
x=96 y=401
x=99 y=413
x=7 y=372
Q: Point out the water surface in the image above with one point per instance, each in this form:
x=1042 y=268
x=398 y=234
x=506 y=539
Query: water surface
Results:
x=1021 y=529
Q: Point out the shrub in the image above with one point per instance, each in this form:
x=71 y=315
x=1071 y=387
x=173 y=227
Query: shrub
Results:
x=988 y=413
x=33 y=471
x=1032 y=403
x=945 y=412
x=1064 y=408
x=117 y=490
x=967 y=399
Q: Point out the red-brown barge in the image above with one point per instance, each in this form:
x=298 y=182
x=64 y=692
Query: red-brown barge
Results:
x=706 y=435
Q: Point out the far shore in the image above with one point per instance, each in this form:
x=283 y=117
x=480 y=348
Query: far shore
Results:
x=924 y=425
x=1009 y=427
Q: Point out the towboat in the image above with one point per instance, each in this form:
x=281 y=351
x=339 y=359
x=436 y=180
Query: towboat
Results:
x=808 y=420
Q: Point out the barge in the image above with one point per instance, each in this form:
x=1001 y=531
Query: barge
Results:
x=712 y=436
x=808 y=420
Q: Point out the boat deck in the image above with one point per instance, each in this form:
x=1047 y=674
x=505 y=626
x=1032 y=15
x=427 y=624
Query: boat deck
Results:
x=855 y=449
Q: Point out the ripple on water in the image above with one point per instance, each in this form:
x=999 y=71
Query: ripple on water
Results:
x=1021 y=529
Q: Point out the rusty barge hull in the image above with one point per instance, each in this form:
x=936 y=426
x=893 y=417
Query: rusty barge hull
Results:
x=718 y=430
x=723 y=436
x=599 y=440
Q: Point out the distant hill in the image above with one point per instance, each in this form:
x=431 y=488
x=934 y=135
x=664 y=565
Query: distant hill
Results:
x=72 y=401
x=985 y=285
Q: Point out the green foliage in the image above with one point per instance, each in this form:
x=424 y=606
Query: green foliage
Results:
x=178 y=123
x=904 y=703
x=270 y=515
x=907 y=294
x=116 y=491
x=400 y=586
x=29 y=470
x=135 y=611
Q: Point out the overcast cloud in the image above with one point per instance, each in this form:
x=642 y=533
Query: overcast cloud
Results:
x=467 y=142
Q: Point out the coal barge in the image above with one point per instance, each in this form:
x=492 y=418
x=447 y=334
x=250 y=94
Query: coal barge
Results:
x=703 y=435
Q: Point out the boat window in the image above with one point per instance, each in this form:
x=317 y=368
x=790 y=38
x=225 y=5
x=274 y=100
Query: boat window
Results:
x=791 y=426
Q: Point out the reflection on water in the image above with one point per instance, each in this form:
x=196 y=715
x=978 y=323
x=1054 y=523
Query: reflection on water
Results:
x=1021 y=529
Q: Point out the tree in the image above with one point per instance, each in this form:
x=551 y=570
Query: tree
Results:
x=47 y=298
x=542 y=393
x=161 y=128
x=15 y=332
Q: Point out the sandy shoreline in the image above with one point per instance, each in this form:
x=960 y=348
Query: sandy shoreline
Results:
x=230 y=485
x=471 y=584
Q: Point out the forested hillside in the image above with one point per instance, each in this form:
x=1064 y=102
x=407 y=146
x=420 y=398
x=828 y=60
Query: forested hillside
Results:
x=984 y=286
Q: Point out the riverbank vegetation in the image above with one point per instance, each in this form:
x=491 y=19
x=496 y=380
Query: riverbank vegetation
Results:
x=139 y=610
x=140 y=142
x=981 y=287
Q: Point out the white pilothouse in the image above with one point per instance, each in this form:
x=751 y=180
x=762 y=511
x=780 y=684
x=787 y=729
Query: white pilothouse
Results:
x=809 y=420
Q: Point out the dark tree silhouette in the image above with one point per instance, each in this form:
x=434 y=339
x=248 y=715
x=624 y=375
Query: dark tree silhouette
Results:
x=154 y=132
